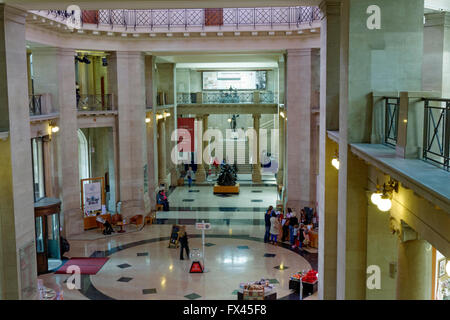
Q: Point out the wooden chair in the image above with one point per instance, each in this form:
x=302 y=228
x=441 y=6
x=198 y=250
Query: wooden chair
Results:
x=159 y=207
x=116 y=218
x=137 y=220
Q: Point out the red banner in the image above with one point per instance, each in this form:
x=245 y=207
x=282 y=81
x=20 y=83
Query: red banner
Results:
x=186 y=138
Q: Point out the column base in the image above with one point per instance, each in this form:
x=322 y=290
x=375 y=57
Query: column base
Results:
x=200 y=175
x=256 y=173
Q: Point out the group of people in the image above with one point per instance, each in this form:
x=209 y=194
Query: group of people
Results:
x=292 y=226
x=161 y=198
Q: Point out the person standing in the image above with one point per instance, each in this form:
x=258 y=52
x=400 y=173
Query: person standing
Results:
x=190 y=173
x=285 y=227
x=183 y=242
x=274 y=228
x=267 y=217
x=293 y=221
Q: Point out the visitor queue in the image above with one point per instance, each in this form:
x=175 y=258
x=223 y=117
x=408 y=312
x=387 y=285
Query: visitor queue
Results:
x=293 y=227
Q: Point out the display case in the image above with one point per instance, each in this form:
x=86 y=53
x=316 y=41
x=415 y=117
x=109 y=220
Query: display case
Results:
x=47 y=226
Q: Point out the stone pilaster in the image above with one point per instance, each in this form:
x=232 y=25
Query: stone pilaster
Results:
x=256 y=167
x=202 y=126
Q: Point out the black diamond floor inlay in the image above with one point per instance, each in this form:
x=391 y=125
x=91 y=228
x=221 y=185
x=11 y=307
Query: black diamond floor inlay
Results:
x=124 y=279
x=124 y=265
x=208 y=244
x=256 y=200
x=188 y=200
x=149 y=291
x=142 y=254
x=192 y=296
x=194 y=190
x=269 y=255
x=281 y=267
x=257 y=191
x=242 y=247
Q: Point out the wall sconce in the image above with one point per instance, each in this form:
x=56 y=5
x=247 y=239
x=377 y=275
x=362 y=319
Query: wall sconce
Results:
x=383 y=199
x=282 y=114
x=166 y=114
x=229 y=119
x=159 y=116
x=53 y=127
x=147 y=120
x=335 y=161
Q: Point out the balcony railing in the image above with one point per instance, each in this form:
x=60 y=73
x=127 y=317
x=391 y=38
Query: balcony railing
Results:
x=185 y=18
x=436 y=132
x=217 y=97
x=35 y=104
x=95 y=102
x=391 y=121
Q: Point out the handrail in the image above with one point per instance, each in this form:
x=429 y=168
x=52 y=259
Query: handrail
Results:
x=167 y=18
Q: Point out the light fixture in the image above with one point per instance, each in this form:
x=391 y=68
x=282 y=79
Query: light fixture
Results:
x=159 y=116
x=335 y=161
x=229 y=119
x=384 y=203
x=54 y=128
x=147 y=120
x=166 y=114
x=282 y=114
x=376 y=196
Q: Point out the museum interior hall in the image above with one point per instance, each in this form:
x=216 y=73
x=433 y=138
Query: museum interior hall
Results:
x=225 y=151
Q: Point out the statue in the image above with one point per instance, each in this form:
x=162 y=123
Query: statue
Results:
x=227 y=176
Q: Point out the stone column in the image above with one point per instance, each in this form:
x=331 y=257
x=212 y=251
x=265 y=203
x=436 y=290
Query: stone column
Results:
x=328 y=175
x=67 y=138
x=152 y=141
x=17 y=234
x=414 y=266
x=281 y=149
x=162 y=168
x=256 y=167
x=202 y=126
x=368 y=58
x=127 y=68
x=302 y=82
x=436 y=45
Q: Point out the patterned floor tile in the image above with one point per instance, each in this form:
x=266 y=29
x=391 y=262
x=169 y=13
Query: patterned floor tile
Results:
x=124 y=265
x=243 y=247
x=208 y=244
x=125 y=279
x=142 y=254
x=192 y=296
x=269 y=255
x=281 y=267
x=256 y=200
x=149 y=291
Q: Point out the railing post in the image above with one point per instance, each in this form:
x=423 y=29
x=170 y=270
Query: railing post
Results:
x=271 y=17
x=168 y=19
x=425 y=129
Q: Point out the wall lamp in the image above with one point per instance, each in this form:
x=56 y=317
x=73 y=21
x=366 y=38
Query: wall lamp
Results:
x=159 y=116
x=282 y=114
x=53 y=127
x=382 y=198
x=166 y=114
x=147 y=120
x=335 y=161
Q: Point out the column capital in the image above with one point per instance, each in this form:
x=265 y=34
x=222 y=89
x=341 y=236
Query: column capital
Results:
x=13 y=14
x=437 y=19
x=330 y=8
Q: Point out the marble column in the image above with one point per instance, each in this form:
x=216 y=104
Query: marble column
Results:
x=281 y=149
x=152 y=141
x=302 y=83
x=162 y=161
x=127 y=69
x=328 y=175
x=414 y=266
x=256 y=167
x=202 y=126
x=370 y=60
x=436 y=45
x=17 y=235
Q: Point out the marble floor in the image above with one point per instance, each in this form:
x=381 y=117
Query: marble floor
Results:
x=141 y=266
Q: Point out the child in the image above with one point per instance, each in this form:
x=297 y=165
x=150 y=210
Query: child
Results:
x=189 y=176
x=274 y=228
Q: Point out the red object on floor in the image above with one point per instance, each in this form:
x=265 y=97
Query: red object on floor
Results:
x=196 y=267
x=86 y=265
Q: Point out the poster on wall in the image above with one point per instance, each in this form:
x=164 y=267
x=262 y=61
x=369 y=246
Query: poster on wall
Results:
x=92 y=196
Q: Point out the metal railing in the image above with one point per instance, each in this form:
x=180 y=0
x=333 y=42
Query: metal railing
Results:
x=35 y=104
x=436 y=132
x=211 y=97
x=168 y=18
x=95 y=102
x=391 y=120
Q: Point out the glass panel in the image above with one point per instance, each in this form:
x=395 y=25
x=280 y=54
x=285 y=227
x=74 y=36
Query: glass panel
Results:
x=54 y=251
x=238 y=80
x=38 y=169
x=39 y=235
